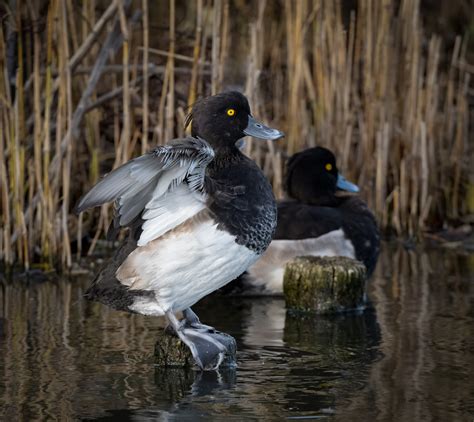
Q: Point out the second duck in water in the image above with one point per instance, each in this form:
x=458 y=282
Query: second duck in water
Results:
x=319 y=220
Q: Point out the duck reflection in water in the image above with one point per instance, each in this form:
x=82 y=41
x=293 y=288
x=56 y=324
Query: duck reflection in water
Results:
x=325 y=354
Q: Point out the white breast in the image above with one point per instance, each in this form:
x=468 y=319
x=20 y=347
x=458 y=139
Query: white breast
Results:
x=266 y=275
x=185 y=265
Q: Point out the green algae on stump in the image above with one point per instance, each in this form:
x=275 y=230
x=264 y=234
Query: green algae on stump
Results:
x=324 y=284
x=171 y=352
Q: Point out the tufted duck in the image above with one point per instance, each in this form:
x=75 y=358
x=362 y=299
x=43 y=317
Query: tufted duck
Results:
x=200 y=213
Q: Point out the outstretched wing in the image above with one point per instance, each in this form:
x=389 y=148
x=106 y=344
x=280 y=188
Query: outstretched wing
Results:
x=164 y=187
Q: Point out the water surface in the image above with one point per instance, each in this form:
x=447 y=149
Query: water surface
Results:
x=410 y=357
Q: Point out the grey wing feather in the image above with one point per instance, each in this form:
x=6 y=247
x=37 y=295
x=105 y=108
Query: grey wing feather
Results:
x=147 y=178
x=120 y=182
x=131 y=206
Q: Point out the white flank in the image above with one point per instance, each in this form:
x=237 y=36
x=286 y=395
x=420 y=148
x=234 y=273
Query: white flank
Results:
x=183 y=266
x=267 y=273
x=168 y=211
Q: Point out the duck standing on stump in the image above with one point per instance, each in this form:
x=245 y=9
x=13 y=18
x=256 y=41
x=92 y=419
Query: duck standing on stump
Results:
x=200 y=213
x=319 y=220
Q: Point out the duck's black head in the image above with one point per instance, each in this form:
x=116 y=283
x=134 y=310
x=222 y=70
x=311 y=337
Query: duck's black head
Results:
x=312 y=176
x=225 y=118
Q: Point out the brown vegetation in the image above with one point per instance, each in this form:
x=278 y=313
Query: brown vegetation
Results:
x=86 y=87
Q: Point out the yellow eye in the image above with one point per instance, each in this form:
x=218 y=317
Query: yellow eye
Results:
x=230 y=112
x=328 y=166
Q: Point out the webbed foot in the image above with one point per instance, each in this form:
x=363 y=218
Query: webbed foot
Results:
x=208 y=346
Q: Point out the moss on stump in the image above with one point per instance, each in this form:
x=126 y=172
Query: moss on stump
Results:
x=171 y=352
x=324 y=284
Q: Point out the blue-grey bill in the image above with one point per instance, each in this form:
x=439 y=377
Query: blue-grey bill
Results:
x=259 y=130
x=343 y=184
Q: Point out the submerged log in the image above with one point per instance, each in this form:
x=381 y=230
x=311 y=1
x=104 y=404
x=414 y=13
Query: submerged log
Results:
x=171 y=352
x=324 y=284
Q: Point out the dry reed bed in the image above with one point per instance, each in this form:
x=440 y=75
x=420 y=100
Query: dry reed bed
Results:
x=93 y=86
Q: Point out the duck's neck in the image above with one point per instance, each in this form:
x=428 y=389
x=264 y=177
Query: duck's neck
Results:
x=225 y=155
x=329 y=200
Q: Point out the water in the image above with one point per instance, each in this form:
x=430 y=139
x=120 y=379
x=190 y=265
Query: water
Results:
x=409 y=358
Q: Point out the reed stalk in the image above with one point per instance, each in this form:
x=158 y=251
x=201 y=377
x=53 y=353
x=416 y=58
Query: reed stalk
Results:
x=146 y=60
x=192 y=94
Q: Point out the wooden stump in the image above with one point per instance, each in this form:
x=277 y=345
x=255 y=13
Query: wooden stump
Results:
x=171 y=352
x=324 y=284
